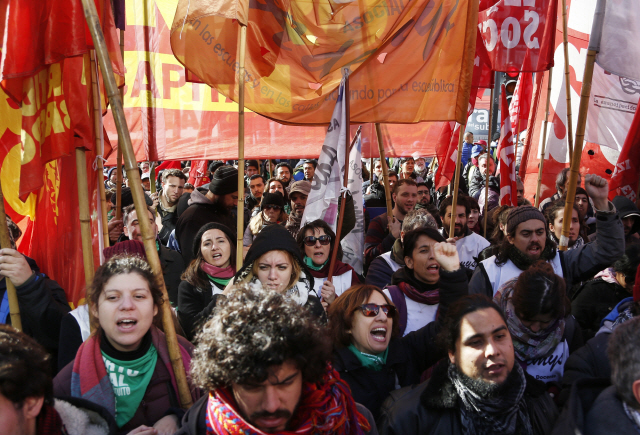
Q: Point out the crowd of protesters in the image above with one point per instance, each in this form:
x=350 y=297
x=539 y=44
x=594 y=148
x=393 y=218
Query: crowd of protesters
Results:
x=475 y=331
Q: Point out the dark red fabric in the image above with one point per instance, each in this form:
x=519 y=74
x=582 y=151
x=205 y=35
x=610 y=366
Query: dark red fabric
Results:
x=625 y=176
x=339 y=269
x=430 y=297
x=48 y=422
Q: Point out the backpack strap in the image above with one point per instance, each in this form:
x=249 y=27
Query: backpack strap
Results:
x=401 y=304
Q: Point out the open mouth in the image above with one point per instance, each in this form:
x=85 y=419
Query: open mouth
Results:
x=379 y=334
x=126 y=323
x=434 y=268
x=216 y=256
x=534 y=250
x=495 y=369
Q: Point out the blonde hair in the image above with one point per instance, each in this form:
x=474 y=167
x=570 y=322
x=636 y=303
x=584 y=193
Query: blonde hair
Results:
x=295 y=274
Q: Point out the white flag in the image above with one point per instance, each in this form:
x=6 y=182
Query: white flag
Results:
x=353 y=243
x=612 y=105
x=328 y=179
x=619 y=50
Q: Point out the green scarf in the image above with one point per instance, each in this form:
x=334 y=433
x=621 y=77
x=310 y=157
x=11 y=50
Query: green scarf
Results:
x=311 y=265
x=222 y=282
x=129 y=380
x=522 y=260
x=368 y=361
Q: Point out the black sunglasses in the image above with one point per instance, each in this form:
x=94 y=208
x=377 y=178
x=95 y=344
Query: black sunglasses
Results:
x=271 y=207
x=372 y=310
x=311 y=240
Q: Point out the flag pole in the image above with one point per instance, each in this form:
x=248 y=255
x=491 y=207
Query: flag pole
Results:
x=12 y=294
x=241 y=59
x=343 y=197
x=577 y=151
x=385 y=170
x=97 y=115
x=544 y=140
x=456 y=183
x=567 y=79
x=119 y=150
x=486 y=176
x=85 y=215
x=115 y=99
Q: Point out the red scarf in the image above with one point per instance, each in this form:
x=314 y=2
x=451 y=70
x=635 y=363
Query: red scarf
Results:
x=217 y=272
x=48 y=422
x=326 y=407
x=430 y=297
x=339 y=269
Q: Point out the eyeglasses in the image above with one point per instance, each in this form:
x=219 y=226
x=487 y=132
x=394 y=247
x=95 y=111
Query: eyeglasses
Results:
x=271 y=207
x=311 y=240
x=372 y=310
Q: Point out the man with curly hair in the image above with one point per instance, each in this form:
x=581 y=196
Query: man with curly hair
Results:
x=265 y=362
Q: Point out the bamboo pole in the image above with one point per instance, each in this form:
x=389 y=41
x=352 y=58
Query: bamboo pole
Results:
x=456 y=187
x=577 y=151
x=85 y=215
x=488 y=174
x=567 y=78
x=152 y=178
x=97 y=115
x=120 y=145
x=544 y=140
x=12 y=294
x=385 y=171
x=241 y=59
x=138 y=198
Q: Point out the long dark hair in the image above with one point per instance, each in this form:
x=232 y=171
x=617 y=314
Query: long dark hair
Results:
x=194 y=275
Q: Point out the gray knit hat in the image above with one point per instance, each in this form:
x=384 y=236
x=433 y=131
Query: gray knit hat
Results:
x=523 y=213
x=225 y=181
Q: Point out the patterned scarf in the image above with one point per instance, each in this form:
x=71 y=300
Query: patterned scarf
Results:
x=325 y=407
x=498 y=414
x=527 y=344
x=633 y=415
x=579 y=241
x=522 y=260
x=415 y=290
x=48 y=422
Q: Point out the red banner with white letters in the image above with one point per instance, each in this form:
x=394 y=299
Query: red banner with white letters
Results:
x=519 y=34
x=624 y=180
x=506 y=156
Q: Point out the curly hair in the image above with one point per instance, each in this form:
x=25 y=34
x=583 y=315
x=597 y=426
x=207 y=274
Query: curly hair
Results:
x=341 y=313
x=25 y=368
x=539 y=290
x=253 y=330
x=122 y=265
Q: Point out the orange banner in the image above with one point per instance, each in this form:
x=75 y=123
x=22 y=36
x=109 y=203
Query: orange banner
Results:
x=409 y=61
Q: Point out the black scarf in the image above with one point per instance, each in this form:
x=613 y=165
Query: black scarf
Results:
x=503 y=411
x=523 y=261
x=404 y=274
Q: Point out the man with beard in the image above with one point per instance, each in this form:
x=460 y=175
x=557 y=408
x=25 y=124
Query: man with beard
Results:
x=424 y=202
x=527 y=241
x=421 y=169
x=384 y=230
x=266 y=365
x=468 y=243
x=256 y=187
x=478 y=389
x=298 y=194
x=283 y=173
x=214 y=206
x=173 y=181
x=309 y=168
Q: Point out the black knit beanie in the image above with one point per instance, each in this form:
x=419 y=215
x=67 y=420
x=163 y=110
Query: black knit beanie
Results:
x=225 y=181
x=523 y=213
x=272 y=238
x=274 y=198
x=211 y=226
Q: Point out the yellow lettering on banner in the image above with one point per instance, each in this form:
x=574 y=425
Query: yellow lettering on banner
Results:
x=55 y=80
x=10 y=118
x=10 y=178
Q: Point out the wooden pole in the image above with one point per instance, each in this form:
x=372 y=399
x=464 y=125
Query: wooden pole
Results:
x=119 y=151
x=544 y=140
x=148 y=237
x=456 y=187
x=485 y=218
x=152 y=178
x=343 y=197
x=97 y=115
x=385 y=170
x=577 y=151
x=241 y=58
x=12 y=294
x=85 y=215
x=567 y=78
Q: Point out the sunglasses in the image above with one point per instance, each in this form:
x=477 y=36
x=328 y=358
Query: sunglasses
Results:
x=372 y=310
x=311 y=240
x=271 y=207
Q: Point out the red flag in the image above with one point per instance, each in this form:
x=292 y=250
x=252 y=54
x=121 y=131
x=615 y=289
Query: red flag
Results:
x=519 y=35
x=506 y=157
x=521 y=102
x=624 y=180
x=197 y=175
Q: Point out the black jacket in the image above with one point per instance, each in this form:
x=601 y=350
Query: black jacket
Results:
x=433 y=408
x=43 y=304
x=607 y=416
x=582 y=395
x=168 y=219
x=593 y=301
x=195 y=306
x=172 y=268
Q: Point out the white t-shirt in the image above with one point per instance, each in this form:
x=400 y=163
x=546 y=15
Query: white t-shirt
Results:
x=418 y=314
